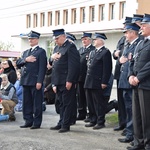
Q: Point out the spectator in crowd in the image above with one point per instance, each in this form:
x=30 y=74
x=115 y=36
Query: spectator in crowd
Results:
x=10 y=71
x=33 y=68
x=8 y=96
x=19 y=91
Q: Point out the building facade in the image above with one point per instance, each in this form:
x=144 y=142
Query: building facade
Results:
x=18 y=17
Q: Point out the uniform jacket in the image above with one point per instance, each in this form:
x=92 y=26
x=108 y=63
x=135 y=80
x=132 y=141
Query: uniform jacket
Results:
x=67 y=67
x=33 y=72
x=83 y=61
x=49 y=95
x=99 y=68
x=124 y=70
x=19 y=91
x=140 y=66
x=120 y=46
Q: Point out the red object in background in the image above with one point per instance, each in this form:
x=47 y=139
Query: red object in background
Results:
x=0 y=100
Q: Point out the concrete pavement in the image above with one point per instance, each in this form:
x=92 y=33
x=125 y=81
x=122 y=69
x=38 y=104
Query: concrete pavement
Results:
x=12 y=137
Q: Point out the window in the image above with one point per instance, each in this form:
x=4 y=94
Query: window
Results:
x=111 y=11
x=101 y=12
x=92 y=14
x=73 y=16
x=35 y=20
x=49 y=18
x=122 y=10
x=28 y=21
x=57 y=19
x=82 y=15
x=65 y=21
x=42 y=19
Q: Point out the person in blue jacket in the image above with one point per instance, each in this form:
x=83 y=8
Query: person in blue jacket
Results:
x=19 y=93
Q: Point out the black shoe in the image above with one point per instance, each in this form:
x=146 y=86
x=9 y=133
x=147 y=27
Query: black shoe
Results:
x=98 y=127
x=55 y=128
x=80 y=117
x=35 y=127
x=123 y=133
x=125 y=140
x=137 y=147
x=132 y=143
x=87 y=120
x=62 y=130
x=26 y=126
x=72 y=123
x=12 y=117
x=115 y=104
x=90 y=125
x=118 y=128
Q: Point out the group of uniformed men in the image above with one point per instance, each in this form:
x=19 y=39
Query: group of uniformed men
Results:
x=87 y=72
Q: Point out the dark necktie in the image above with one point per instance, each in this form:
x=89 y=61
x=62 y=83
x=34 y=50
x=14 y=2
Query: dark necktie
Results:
x=30 y=50
x=84 y=49
x=145 y=40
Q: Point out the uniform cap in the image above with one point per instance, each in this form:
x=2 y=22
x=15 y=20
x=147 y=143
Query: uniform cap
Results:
x=58 y=32
x=128 y=20
x=100 y=35
x=85 y=34
x=146 y=18
x=137 y=17
x=70 y=36
x=131 y=26
x=33 y=35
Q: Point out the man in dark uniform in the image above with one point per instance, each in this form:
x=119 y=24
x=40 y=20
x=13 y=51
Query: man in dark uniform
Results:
x=116 y=55
x=72 y=39
x=33 y=65
x=140 y=80
x=131 y=33
x=84 y=52
x=65 y=73
x=97 y=77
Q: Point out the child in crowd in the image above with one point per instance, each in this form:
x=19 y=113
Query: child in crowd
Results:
x=19 y=93
x=8 y=96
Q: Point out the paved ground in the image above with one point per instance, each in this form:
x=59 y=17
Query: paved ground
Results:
x=79 y=138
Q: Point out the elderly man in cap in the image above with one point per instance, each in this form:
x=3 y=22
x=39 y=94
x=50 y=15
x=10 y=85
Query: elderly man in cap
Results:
x=132 y=37
x=84 y=53
x=137 y=18
x=98 y=74
x=116 y=55
x=65 y=73
x=139 y=78
x=33 y=65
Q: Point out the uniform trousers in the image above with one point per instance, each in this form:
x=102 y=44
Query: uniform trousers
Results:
x=121 y=107
x=32 y=105
x=67 y=105
x=127 y=95
x=96 y=105
x=82 y=104
x=141 y=117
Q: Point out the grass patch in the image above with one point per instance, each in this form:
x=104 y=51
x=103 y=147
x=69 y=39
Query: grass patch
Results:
x=112 y=119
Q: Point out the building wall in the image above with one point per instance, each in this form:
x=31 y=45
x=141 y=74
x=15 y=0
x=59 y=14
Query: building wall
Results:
x=143 y=6
x=13 y=18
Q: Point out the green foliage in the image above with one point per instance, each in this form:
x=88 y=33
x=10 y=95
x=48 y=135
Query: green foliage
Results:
x=112 y=119
x=6 y=46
